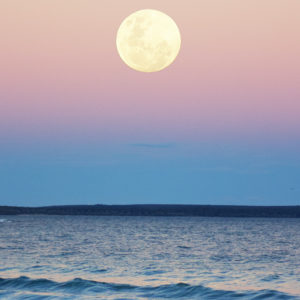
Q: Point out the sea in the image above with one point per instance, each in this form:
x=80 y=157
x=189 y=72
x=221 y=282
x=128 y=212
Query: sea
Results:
x=110 y=257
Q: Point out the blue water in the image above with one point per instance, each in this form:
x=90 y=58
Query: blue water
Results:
x=82 y=257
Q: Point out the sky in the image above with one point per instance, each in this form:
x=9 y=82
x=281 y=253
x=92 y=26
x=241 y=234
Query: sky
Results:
x=218 y=126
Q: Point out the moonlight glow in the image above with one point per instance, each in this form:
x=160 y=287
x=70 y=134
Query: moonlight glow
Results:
x=148 y=40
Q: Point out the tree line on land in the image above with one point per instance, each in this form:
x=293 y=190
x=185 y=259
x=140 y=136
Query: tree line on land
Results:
x=158 y=210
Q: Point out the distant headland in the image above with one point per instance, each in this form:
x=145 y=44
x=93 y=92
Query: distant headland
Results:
x=158 y=210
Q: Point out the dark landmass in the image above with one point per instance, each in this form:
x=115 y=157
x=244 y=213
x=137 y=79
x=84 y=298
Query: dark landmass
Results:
x=158 y=210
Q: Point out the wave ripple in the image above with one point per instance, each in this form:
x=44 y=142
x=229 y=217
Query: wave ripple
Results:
x=25 y=287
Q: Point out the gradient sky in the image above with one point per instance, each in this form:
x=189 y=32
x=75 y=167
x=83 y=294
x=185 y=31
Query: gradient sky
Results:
x=221 y=125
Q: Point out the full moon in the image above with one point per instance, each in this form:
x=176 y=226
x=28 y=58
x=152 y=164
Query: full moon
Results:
x=148 y=40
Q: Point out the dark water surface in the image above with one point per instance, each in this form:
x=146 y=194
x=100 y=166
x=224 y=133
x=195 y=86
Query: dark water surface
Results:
x=82 y=257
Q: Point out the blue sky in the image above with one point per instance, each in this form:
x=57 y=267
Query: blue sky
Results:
x=140 y=172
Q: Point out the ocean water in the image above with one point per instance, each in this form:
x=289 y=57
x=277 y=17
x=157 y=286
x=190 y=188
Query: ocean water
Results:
x=93 y=257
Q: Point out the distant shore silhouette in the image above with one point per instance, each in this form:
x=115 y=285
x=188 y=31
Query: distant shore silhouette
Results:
x=158 y=210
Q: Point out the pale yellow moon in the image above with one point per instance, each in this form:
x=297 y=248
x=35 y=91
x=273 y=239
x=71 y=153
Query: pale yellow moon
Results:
x=148 y=40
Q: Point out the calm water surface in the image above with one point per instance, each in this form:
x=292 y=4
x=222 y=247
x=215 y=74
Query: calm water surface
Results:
x=82 y=257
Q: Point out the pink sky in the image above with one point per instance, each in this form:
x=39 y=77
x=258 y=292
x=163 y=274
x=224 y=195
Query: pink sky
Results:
x=237 y=74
